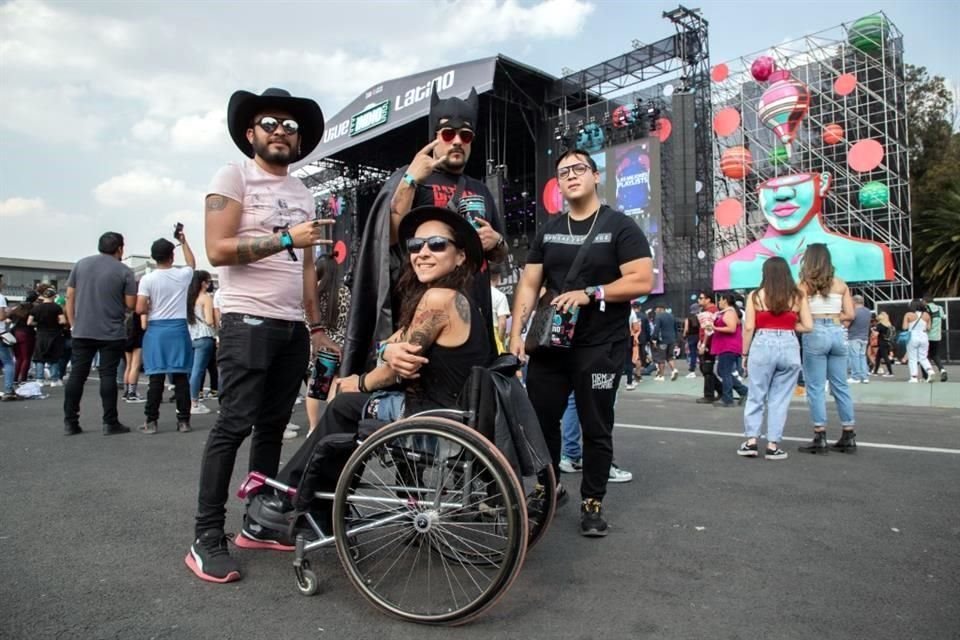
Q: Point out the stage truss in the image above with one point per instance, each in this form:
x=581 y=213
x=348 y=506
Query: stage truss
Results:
x=876 y=109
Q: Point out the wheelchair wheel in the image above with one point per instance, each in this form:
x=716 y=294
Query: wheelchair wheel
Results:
x=541 y=504
x=413 y=526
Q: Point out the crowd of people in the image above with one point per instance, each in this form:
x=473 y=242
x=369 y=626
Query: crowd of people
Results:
x=420 y=307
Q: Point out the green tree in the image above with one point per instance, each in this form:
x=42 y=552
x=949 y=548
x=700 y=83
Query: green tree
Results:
x=936 y=235
x=930 y=118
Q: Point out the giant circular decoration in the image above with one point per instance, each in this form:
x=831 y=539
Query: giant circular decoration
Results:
x=874 y=195
x=869 y=33
x=664 y=128
x=762 y=67
x=726 y=122
x=735 y=162
x=720 y=72
x=552 y=198
x=833 y=133
x=865 y=155
x=783 y=105
x=728 y=212
x=340 y=251
x=845 y=84
x=779 y=157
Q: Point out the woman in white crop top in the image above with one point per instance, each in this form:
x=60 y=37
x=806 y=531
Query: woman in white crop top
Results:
x=917 y=322
x=202 y=332
x=825 y=349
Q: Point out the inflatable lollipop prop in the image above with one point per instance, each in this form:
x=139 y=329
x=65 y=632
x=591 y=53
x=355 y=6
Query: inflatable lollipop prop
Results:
x=783 y=105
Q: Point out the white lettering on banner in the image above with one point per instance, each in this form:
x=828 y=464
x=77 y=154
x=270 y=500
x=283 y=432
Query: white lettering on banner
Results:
x=415 y=95
x=602 y=380
x=633 y=180
x=563 y=238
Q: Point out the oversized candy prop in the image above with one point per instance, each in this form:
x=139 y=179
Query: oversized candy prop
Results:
x=874 y=195
x=783 y=105
x=832 y=134
x=762 y=67
x=869 y=33
x=735 y=162
x=779 y=157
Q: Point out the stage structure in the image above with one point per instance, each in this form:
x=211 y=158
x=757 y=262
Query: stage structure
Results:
x=642 y=116
x=830 y=106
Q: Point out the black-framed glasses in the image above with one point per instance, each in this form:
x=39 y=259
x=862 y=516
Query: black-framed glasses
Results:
x=577 y=169
x=435 y=244
x=270 y=124
x=447 y=134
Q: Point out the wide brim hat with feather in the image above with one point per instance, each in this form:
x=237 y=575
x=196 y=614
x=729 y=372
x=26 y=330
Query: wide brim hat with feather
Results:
x=244 y=105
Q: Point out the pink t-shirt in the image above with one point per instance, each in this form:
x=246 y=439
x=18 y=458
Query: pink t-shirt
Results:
x=271 y=287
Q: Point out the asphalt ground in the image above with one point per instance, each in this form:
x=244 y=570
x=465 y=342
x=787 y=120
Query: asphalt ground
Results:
x=704 y=544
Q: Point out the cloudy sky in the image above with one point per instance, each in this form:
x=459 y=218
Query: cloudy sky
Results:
x=112 y=113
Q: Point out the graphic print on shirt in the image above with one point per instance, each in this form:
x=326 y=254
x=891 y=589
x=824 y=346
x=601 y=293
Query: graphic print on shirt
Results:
x=600 y=381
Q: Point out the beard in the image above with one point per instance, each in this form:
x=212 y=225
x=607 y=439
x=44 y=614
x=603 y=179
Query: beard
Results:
x=273 y=156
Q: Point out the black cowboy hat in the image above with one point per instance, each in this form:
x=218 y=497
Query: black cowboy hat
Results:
x=245 y=105
x=464 y=235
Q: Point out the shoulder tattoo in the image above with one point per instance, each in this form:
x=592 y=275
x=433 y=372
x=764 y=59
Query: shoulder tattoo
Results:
x=463 y=308
x=216 y=203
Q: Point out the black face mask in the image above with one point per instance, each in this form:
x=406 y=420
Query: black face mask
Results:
x=458 y=113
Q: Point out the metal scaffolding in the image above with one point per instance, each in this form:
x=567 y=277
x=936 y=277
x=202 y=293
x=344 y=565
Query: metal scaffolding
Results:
x=876 y=109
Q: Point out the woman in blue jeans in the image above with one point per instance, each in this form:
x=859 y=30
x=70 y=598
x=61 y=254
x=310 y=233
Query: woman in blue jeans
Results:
x=775 y=313
x=202 y=332
x=825 y=349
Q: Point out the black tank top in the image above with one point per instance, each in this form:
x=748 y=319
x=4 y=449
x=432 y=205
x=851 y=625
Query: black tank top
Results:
x=443 y=378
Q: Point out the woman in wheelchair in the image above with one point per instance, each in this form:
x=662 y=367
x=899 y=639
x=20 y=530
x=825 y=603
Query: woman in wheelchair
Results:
x=436 y=314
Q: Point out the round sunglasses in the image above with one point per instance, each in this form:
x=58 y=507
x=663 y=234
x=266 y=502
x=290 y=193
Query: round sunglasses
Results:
x=435 y=244
x=447 y=135
x=270 y=124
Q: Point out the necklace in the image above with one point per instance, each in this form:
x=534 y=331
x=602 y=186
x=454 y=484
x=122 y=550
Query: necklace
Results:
x=594 y=216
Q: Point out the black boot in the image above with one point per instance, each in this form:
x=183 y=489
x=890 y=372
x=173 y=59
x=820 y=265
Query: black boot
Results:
x=817 y=445
x=847 y=442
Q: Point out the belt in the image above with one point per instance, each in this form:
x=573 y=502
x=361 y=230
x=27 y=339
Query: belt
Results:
x=249 y=318
x=826 y=320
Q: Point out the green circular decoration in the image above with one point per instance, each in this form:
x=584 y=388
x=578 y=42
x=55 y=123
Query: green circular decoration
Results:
x=779 y=157
x=869 y=33
x=874 y=195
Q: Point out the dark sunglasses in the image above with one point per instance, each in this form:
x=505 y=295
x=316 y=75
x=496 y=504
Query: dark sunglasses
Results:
x=448 y=134
x=270 y=124
x=435 y=244
x=578 y=170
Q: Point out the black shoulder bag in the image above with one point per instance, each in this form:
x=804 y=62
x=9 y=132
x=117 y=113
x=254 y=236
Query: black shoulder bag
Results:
x=539 y=333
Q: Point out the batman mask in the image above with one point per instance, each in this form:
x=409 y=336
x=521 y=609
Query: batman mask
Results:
x=458 y=113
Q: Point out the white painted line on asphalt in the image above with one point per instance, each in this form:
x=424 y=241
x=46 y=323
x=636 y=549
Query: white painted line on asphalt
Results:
x=707 y=432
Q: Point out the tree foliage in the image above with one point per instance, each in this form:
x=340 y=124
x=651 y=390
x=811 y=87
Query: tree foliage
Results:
x=937 y=249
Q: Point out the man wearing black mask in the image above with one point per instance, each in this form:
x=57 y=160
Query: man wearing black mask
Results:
x=435 y=177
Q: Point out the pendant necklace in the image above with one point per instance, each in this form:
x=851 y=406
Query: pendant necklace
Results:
x=595 y=216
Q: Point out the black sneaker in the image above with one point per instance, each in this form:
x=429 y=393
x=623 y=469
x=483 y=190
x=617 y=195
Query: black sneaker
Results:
x=748 y=450
x=706 y=400
x=847 y=442
x=943 y=375
x=562 y=495
x=253 y=535
x=115 y=429
x=184 y=427
x=72 y=429
x=592 y=523
x=209 y=558
x=9 y=396
x=775 y=454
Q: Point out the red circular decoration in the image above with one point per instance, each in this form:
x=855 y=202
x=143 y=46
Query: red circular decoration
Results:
x=340 y=252
x=845 y=84
x=832 y=133
x=552 y=198
x=735 y=162
x=865 y=155
x=726 y=122
x=720 y=72
x=728 y=212
x=664 y=128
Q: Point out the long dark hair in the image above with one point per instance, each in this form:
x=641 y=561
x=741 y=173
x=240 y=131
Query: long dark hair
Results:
x=196 y=286
x=410 y=289
x=780 y=292
x=816 y=270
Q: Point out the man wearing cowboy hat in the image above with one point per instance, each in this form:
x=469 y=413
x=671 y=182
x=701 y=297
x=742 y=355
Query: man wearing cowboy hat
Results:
x=260 y=233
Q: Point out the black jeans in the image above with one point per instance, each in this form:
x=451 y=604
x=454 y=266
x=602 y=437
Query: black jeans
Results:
x=882 y=357
x=181 y=384
x=261 y=364
x=933 y=353
x=84 y=350
x=712 y=388
x=213 y=371
x=593 y=373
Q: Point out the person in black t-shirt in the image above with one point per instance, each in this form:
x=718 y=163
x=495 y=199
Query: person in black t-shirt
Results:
x=617 y=268
x=436 y=178
x=48 y=317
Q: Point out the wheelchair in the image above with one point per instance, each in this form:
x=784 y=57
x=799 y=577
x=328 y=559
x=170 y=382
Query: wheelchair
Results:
x=430 y=519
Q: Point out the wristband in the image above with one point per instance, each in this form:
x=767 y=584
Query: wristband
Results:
x=361 y=383
x=314 y=330
x=410 y=180
x=286 y=240
x=314 y=325
x=381 y=349
x=600 y=297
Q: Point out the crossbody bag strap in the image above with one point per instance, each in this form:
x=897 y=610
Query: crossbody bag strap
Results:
x=582 y=252
x=454 y=202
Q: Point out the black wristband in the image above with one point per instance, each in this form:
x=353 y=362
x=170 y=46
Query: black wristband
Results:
x=361 y=383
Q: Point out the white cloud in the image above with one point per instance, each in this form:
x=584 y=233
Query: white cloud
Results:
x=143 y=189
x=197 y=132
x=148 y=130
x=13 y=207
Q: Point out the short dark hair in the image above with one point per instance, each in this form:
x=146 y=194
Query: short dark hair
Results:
x=162 y=250
x=580 y=153
x=706 y=294
x=110 y=243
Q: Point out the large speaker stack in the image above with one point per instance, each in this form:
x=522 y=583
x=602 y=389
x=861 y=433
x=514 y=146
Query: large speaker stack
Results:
x=684 y=165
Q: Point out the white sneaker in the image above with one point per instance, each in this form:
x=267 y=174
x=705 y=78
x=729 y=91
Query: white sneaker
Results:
x=658 y=379
x=673 y=376
x=293 y=427
x=930 y=377
x=289 y=434
x=865 y=381
x=56 y=383
x=619 y=475
x=199 y=409
x=171 y=387
x=691 y=375
x=569 y=465
x=299 y=399
x=852 y=381
x=913 y=381
x=886 y=375
x=631 y=386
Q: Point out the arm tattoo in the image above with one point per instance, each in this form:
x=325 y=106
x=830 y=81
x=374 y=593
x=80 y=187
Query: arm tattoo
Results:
x=216 y=203
x=463 y=308
x=426 y=326
x=524 y=311
x=253 y=249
